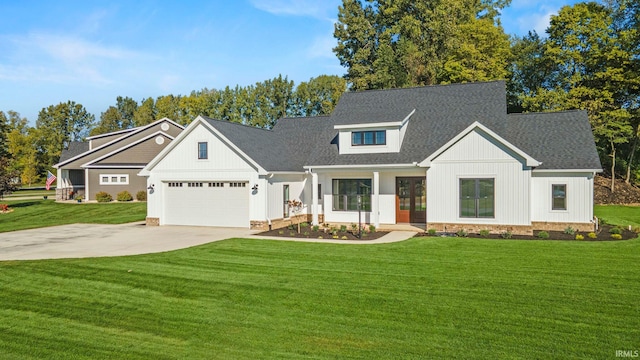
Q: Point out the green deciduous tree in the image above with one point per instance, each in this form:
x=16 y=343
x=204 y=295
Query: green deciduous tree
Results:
x=399 y=43
x=318 y=96
x=587 y=62
x=60 y=124
x=146 y=113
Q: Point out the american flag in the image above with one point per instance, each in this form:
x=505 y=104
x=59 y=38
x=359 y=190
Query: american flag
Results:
x=50 y=179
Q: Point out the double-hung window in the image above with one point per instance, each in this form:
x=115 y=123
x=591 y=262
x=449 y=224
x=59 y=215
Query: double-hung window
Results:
x=378 y=137
x=347 y=191
x=559 y=193
x=203 y=152
x=477 y=198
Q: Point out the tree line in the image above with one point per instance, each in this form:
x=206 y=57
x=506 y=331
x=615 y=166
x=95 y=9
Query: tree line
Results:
x=588 y=59
x=28 y=152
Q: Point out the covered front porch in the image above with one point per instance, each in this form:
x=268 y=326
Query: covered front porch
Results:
x=378 y=196
x=70 y=184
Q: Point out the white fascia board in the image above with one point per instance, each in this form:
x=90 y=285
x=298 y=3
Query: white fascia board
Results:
x=376 y=125
x=112 y=133
x=287 y=172
x=530 y=161
x=127 y=147
x=135 y=131
x=114 y=167
x=363 y=166
x=567 y=170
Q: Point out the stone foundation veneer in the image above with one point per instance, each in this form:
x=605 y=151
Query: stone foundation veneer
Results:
x=514 y=229
x=581 y=227
x=475 y=228
x=152 y=221
x=281 y=223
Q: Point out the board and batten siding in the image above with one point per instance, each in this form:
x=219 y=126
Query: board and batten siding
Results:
x=181 y=164
x=299 y=189
x=579 y=197
x=478 y=155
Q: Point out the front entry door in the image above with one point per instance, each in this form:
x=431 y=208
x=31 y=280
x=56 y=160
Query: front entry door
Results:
x=411 y=200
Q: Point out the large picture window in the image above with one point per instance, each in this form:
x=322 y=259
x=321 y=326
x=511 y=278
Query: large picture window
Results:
x=369 y=137
x=203 y=152
x=345 y=194
x=559 y=192
x=477 y=198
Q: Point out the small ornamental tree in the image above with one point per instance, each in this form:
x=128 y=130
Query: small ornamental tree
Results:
x=295 y=206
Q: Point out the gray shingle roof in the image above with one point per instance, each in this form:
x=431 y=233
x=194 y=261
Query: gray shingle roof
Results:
x=75 y=148
x=559 y=140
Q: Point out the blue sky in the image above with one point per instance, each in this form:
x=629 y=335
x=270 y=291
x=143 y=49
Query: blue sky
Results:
x=91 y=52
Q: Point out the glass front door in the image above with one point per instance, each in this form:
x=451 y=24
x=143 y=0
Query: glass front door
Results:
x=411 y=200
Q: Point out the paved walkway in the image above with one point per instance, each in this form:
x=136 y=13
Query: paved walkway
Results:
x=93 y=240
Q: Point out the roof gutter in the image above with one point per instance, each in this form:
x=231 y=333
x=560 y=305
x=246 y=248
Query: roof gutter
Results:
x=367 y=166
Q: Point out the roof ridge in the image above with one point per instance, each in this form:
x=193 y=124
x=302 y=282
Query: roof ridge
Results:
x=235 y=123
x=426 y=86
x=546 y=112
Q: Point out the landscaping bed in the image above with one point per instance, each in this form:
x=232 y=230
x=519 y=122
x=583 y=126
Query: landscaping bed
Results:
x=604 y=233
x=333 y=233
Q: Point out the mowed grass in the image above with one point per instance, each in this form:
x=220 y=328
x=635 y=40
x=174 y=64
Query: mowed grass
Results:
x=619 y=214
x=248 y=299
x=29 y=214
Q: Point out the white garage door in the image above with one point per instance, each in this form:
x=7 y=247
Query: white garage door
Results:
x=214 y=203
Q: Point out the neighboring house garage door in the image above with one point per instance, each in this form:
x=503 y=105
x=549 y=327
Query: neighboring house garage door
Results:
x=207 y=204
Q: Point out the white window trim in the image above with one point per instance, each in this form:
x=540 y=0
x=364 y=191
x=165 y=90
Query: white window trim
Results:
x=118 y=182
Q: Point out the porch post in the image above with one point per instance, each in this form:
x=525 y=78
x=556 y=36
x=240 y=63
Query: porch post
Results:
x=314 y=198
x=375 y=200
x=86 y=185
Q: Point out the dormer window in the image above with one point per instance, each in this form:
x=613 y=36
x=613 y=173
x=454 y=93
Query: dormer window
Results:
x=378 y=137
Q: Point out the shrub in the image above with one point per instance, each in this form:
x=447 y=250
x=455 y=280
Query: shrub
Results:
x=462 y=233
x=636 y=229
x=484 y=232
x=315 y=228
x=615 y=231
x=506 y=234
x=543 y=235
x=344 y=238
x=291 y=233
x=616 y=236
x=281 y=232
x=579 y=237
x=343 y=228
x=372 y=228
x=354 y=227
x=124 y=196
x=290 y=227
x=431 y=232
x=103 y=197
x=141 y=195
x=592 y=235
x=304 y=224
x=306 y=233
x=569 y=230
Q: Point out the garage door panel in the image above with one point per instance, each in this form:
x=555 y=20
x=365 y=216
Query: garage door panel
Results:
x=219 y=204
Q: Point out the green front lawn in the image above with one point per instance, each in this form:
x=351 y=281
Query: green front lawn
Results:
x=619 y=214
x=29 y=214
x=440 y=298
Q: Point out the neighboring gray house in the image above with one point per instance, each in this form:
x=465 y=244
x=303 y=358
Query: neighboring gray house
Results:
x=444 y=157
x=110 y=162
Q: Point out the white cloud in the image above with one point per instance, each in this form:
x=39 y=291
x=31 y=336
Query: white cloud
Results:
x=60 y=59
x=325 y=9
x=322 y=47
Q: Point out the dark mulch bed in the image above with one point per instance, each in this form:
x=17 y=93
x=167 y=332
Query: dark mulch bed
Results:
x=603 y=234
x=308 y=233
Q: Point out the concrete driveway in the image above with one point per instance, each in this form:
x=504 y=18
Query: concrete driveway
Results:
x=92 y=240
